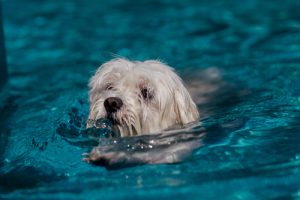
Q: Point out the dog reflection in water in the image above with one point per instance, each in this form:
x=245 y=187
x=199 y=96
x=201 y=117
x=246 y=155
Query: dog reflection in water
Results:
x=141 y=98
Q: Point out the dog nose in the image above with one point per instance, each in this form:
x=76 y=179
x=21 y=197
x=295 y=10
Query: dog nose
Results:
x=112 y=104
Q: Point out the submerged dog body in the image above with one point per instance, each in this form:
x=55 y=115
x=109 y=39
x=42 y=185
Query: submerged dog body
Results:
x=140 y=97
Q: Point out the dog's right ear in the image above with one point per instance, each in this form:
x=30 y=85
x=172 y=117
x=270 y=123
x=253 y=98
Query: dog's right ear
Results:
x=94 y=93
x=185 y=108
x=95 y=84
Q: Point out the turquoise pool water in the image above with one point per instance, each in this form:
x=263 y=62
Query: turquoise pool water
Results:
x=252 y=121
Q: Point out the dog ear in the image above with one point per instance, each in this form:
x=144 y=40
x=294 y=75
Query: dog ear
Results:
x=184 y=106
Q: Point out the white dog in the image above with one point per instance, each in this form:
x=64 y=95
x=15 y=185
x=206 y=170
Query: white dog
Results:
x=140 y=97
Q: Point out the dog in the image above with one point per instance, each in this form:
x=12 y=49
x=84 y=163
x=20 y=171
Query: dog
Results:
x=140 y=97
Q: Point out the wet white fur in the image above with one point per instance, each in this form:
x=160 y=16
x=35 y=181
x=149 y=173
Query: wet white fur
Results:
x=171 y=103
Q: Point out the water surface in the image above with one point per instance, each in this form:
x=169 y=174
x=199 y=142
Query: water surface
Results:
x=251 y=149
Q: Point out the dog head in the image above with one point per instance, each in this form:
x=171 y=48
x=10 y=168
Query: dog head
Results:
x=140 y=97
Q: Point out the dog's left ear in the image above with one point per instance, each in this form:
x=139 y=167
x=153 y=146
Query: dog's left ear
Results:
x=184 y=106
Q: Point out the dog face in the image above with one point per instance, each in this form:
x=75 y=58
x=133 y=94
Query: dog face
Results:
x=140 y=97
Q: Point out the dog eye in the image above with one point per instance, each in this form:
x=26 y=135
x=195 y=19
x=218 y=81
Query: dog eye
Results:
x=146 y=94
x=109 y=87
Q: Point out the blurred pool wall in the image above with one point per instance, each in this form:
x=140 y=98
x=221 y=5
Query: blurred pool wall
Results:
x=3 y=69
